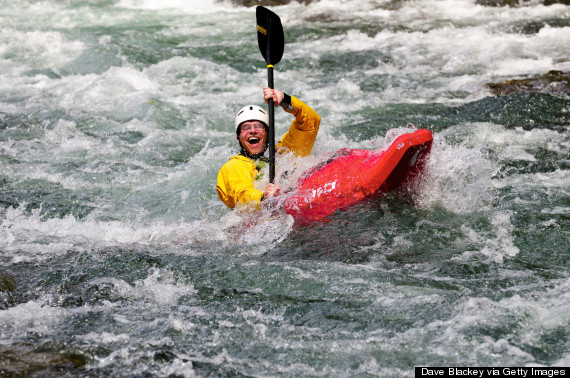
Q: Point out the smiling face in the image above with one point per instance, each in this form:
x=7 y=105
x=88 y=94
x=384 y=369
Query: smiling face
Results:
x=253 y=137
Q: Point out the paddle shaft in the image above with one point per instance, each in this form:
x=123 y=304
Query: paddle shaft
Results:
x=271 y=136
x=271 y=44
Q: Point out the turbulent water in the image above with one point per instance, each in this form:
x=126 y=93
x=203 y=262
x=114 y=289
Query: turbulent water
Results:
x=118 y=259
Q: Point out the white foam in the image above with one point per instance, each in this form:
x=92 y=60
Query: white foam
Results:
x=457 y=177
x=447 y=37
x=461 y=332
x=187 y=6
x=513 y=144
x=21 y=51
x=28 y=237
x=103 y=337
x=163 y=288
x=556 y=210
x=31 y=317
x=556 y=182
x=495 y=247
x=255 y=233
x=181 y=81
x=123 y=91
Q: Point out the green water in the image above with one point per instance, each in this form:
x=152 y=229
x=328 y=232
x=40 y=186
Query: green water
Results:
x=118 y=259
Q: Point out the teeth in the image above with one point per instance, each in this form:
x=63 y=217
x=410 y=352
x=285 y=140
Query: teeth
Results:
x=254 y=140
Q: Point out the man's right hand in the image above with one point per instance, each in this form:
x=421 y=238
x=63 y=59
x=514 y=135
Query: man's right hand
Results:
x=271 y=190
x=274 y=94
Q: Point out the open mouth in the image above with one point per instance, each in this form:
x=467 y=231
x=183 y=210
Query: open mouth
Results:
x=253 y=140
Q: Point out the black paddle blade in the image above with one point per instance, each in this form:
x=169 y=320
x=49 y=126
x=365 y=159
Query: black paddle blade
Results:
x=269 y=35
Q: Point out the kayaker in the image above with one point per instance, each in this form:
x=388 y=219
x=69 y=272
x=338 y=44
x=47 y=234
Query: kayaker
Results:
x=237 y=177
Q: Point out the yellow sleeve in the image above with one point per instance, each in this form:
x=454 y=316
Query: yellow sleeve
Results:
x=235 y=183
x=303 y=130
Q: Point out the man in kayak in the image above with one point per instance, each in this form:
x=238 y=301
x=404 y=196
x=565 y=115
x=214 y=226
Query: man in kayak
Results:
x=236 y=179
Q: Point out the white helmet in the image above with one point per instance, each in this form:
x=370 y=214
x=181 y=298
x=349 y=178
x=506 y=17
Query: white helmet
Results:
x=251 y=113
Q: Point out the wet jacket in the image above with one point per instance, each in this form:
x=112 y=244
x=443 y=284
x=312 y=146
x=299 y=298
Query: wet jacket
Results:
x=236 y=177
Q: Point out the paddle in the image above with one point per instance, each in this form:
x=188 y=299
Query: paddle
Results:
x=271 y=44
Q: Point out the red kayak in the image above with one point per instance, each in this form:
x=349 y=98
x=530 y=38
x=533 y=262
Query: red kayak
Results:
x=353 y=175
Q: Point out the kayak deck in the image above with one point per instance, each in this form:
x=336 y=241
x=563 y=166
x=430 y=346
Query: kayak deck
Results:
x=353 y=175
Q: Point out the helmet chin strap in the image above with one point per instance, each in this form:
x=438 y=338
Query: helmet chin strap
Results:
x=258 y=156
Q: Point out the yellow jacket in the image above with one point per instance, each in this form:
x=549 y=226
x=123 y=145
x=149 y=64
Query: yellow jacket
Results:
x=236 y=177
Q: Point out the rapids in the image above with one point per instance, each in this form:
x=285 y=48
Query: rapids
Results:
x=118 y=259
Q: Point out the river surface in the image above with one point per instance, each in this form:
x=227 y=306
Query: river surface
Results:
x=118 y=259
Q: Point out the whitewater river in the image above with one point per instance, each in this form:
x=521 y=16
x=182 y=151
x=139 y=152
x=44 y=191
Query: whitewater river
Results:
x=118 y=259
